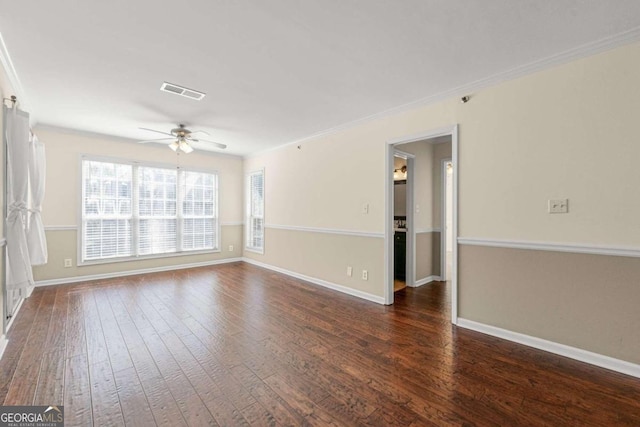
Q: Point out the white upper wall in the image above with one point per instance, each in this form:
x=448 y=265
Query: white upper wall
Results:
x=567 y=132
x=63 y=152
x=325 y=183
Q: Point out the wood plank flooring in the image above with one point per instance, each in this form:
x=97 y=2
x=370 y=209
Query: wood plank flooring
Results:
x=236 y=345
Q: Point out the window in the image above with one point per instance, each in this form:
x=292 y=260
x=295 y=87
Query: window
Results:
x=199 y=211
x=106 y=210
x=157 y=210
x=255 y=211
x=131 y=210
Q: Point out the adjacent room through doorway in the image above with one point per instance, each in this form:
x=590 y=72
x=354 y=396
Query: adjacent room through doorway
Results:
x=399 y=222
x=423 y=210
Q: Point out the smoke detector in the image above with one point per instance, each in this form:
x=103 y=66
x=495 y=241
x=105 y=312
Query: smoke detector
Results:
x=182 y=91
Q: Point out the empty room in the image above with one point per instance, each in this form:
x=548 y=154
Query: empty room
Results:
x=331 y=213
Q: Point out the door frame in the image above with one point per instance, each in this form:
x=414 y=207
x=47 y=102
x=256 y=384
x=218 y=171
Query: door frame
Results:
x=443 y=218
x=388 y=197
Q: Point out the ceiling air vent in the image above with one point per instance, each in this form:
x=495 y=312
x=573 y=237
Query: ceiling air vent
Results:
x=182 y=91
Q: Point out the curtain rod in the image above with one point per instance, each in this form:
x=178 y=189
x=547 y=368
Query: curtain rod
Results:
x=13 y=99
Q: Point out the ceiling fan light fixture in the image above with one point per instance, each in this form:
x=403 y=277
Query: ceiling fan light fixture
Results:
x=181 y=139
x=184 y=146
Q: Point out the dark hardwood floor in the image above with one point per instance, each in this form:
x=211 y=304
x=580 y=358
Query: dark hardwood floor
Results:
x=238 y=345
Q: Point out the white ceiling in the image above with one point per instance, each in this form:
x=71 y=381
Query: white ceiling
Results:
x=280 y=70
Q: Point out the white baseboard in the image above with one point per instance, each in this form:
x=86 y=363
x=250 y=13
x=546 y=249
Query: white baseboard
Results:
x=15 y=313
x=334 y=286
x=596 y=359
x=3 y=344
x=426 y=280
x=76 y=279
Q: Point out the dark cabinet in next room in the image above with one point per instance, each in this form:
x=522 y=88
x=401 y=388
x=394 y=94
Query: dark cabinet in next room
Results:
x=400 y=255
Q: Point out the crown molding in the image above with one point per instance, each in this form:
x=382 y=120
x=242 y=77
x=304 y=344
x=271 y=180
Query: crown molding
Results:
x=582 y=51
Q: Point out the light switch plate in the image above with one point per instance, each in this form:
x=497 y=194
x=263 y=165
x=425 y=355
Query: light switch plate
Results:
x=558 y=205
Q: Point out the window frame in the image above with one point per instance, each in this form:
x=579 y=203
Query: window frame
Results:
x=135 y=211
x=248 y=210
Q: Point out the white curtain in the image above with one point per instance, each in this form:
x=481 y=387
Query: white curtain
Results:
x=36 y=240
x=19 y=275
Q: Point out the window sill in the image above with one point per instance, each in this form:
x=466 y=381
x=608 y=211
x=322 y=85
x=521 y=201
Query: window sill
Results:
x=255 y=250
x=145 y=257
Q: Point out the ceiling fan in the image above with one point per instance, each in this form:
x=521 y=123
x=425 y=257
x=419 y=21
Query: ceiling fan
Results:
x=182 y=137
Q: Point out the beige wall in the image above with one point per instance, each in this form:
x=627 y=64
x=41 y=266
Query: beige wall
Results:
x=62 y=198
x=427 y=255
x=325 y=182
x=423 y=182
x=584 y=301
x=428 y=190
x=310 y=253
x=567 y=132
x=64 y=244
x=400 y=199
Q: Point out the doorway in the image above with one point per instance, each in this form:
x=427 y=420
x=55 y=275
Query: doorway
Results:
x=403 y=218
x=442 y=233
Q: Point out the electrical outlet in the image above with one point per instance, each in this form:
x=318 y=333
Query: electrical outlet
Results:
x=365 y=275
x=365 y=208
x=68 y=263
x=230 y=248
x=558 y=205
x=349 y=271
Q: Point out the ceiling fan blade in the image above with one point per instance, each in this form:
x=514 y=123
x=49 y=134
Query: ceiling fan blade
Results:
x=217 y=144
x=154 y=140
x=156 y=131
x=201 y=131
